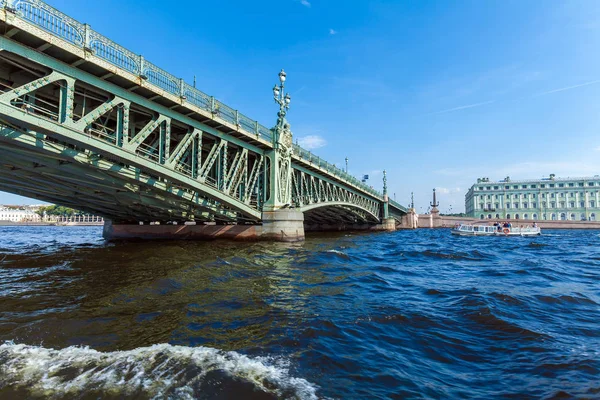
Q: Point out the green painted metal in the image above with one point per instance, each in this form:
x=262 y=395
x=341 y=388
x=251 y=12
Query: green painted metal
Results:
x=239 y=175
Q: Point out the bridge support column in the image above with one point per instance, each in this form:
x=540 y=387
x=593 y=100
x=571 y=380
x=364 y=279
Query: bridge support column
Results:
x=283 y=225
x=388 y=224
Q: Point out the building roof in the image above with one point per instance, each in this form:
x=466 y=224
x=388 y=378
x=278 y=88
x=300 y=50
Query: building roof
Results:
x=543 y=180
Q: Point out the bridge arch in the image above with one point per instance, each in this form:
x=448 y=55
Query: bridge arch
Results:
x=338 y=211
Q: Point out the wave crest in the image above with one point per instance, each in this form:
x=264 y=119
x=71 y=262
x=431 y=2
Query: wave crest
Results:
x=161 y=370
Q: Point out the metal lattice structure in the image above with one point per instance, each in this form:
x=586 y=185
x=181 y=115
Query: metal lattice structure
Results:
x=87 y=123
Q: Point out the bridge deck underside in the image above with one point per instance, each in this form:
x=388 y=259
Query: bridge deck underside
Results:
x=36 y=166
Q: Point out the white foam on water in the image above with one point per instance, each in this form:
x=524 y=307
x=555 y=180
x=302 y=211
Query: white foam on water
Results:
x=158 y=371
x=341 y=253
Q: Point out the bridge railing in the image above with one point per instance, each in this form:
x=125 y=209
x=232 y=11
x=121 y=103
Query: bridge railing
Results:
x=81 y=35
x=396 y=204
x=332 y=169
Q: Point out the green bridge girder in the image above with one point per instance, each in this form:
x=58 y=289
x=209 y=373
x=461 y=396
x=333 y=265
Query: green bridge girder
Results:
x=85 y=123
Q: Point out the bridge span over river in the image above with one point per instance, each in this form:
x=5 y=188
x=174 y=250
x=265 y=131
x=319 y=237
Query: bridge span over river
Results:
x=88 y=124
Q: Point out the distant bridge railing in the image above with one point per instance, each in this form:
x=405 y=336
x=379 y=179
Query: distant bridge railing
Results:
x=81 y=35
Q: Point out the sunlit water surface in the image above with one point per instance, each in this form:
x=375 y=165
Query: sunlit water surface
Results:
x=410 y=314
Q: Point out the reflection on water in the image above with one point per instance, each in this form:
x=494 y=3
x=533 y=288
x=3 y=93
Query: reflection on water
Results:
x=407 y=314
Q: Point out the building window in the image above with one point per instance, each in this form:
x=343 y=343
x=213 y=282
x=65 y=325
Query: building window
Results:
x=580 y=184
x=515 y=186
x=489 y=216
x=481 y=216
x=544 y=216
x=572 y=204
x=507 y=216
x=561 y=185
x=507 y=205
x=534 y=216
x=525 y=216
x=562 y=195
x=496 y=188
x=592 y=217
x=516 y=216
x=506 y=187
x=489 y=188
x=552 y=204
x=551 y=185
x=533 y=196
x=572 y=216
x=572 y=195
x=582 y=216
x=553 y=195
x=562 y=204
x=571 y=184
x=563 y=216
x=543 y=185
x=582 y=204
x=533 y=186
x=497 y=216
x=534 y=205
x=590 y=183
x=553 y=217
x=592 y=203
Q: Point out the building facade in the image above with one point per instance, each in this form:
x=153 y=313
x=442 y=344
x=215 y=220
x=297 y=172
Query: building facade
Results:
x=552 y=198
x=19 y=214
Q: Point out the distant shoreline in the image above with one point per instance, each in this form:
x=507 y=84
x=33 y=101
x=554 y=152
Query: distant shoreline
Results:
x=12 y=223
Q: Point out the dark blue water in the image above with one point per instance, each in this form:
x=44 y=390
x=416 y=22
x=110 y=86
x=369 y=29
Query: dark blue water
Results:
x=411 y=314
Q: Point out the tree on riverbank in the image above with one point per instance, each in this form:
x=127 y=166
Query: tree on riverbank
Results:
x=58 y=211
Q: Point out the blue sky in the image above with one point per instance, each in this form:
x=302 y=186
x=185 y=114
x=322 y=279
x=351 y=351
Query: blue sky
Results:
x=437 y=93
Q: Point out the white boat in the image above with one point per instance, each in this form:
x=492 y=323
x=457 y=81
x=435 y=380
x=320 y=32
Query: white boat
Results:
x=490 y=230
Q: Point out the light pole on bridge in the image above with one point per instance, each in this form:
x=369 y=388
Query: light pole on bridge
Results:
x=280 y=156
x=346 y=164
x=385 y=197
x=281 y=98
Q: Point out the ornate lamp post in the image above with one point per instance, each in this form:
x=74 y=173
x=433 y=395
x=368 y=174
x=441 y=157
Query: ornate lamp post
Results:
x=281 y=98
x=346 y=164
x=386 y=213
x=280 y=195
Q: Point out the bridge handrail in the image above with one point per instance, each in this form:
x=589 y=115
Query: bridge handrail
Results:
x=318 y=161
x=81 y=35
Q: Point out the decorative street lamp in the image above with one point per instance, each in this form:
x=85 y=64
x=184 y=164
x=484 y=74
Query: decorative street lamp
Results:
x=346 y=164
x=281 y=98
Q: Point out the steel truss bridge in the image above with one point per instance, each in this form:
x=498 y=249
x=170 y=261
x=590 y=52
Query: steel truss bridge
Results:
x=88 y=124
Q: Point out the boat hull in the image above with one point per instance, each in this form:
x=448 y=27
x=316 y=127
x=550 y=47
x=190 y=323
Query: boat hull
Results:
x=488 y=230
x=461 y=233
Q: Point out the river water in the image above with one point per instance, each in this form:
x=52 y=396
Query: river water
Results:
x=409 y=314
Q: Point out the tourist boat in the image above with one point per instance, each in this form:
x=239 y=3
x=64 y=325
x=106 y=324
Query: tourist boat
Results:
x=490 y=230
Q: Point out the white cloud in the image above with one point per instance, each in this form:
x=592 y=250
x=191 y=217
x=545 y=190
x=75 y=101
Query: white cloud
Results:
x=447 y=190
x=305 y=3
x=332 y=31
x=312 y=142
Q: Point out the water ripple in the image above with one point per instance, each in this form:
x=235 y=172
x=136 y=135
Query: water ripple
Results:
x=411 y=314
